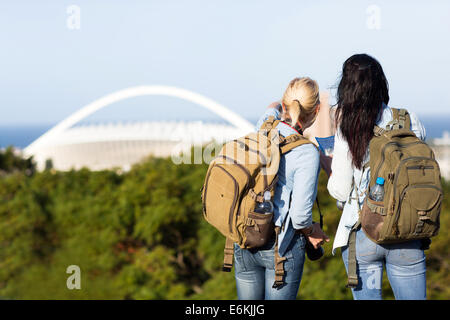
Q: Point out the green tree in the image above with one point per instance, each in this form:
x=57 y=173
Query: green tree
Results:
x=141 y=235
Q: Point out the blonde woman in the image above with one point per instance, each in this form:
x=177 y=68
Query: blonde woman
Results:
x=294 y=197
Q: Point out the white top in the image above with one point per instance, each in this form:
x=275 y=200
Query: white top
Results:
x=343 y=173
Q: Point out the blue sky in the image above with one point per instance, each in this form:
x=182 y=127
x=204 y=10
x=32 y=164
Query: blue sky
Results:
x=241 y=54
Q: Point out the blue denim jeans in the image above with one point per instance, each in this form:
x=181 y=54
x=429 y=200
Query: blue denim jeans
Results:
x=405 y=268
x=255 y=271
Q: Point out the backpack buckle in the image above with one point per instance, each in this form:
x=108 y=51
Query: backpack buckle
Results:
x=255 y=197
x=352 y=282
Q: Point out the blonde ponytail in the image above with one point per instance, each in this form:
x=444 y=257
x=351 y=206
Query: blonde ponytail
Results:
x=300 y=100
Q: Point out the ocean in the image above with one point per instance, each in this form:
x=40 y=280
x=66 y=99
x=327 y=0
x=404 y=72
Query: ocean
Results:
x=21 y=136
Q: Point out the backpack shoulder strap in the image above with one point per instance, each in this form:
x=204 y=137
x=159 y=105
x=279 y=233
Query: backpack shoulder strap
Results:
x=228 y=254
x=352 y=272
x=294 y=140
x=286 y=143
x=269 y=124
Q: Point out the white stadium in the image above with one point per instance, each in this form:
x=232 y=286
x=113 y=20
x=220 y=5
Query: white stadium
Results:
x=106 y=146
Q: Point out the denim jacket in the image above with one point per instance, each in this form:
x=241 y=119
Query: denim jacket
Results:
x=296 y=189
x=343 y=172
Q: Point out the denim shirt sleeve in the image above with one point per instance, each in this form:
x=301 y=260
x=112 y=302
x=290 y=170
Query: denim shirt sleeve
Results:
x=304 y=189
x=269 y=112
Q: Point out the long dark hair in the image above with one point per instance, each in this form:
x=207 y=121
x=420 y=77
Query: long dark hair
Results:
x=360 y=95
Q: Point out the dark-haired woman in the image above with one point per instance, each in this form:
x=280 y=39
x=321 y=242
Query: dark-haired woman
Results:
x=362 y=103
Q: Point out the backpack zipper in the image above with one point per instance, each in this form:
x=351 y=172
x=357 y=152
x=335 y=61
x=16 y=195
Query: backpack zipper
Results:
x=239 y=165
x=423 y=168
x=394 y=183
x=407 y=159
x=397 y=215
x=236 y=191
x=258 y=153
x=245 y=170
x=399 y=145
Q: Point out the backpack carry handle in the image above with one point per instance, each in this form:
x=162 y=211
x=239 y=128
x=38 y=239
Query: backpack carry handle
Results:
x=400 y=124
x=401 y=133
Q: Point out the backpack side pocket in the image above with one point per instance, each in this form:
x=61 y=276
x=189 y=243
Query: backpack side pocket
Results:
x=372 y=219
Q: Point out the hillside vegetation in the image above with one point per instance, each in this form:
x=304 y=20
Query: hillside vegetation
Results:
x=141 y=235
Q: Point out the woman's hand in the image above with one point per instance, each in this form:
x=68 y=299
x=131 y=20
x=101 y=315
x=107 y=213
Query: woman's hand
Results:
x=315 y=235
x=325 y=163
x=275 y=105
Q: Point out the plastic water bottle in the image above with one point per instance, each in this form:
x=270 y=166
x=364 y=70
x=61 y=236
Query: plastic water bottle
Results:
x=266 y=206
x=377 y=191
x=340 y=204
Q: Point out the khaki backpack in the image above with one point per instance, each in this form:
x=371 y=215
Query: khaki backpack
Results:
x=412 y=190
x=236 y=181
